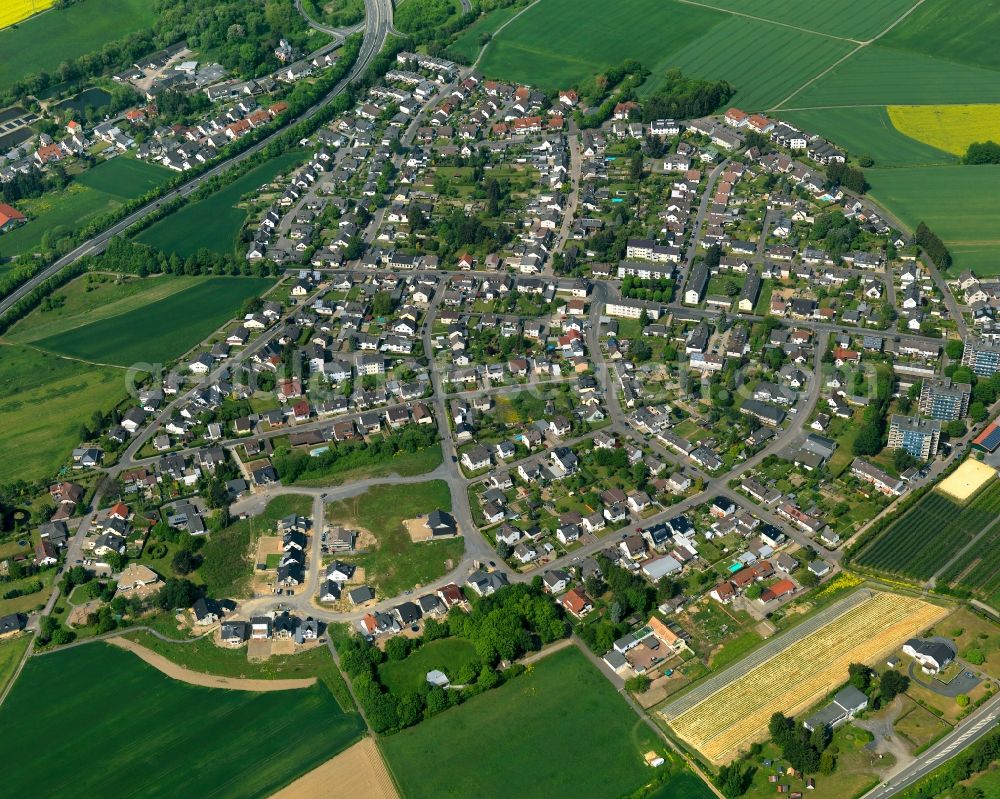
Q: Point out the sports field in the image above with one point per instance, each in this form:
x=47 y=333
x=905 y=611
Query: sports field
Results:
x=592 y=37
x=43 y=401
x=214 y=222
x=96 y=192
x=948 y=127
x=959 y=203
x=921 y=541
x=733 y=709
x=967 y=479
x=13 y=11
x=562 y=724
x=43 y=43
x=161 y=330
x=868 y=130
x=139 y=733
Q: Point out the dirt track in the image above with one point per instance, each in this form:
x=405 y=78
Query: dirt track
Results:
x=358 y=772
x=171 y=669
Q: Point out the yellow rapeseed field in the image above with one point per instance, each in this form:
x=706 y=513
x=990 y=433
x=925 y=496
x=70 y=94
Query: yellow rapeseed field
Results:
x=12 y=11
x=951 y=128
x=796 y=678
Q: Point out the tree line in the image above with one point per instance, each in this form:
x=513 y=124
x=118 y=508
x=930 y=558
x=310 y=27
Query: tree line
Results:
x=931 y=244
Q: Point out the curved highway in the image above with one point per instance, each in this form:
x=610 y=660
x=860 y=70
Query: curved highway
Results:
x=378 y=20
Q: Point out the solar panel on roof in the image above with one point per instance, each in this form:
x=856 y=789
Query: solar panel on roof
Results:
x=992 y=441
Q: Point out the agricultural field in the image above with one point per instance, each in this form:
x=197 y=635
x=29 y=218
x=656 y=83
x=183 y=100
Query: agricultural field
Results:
x=96 y=192
x=592 y=39
x=11 y=652
x=214 y=222
x=902 y=78
x=94 y=296
x=129 y=753
x=563 y=725
x=977 y=570
x=853 y=19
x=920 y=542
x=397 y=564
x=868 y=130
x=733 y=708
x=948 y=127
x=43 y=43
x=161 y=330
x=794 y=57
x=45 y=399
x=959 y=203
x=954 y=30
x=16 y=10
x=468 y=44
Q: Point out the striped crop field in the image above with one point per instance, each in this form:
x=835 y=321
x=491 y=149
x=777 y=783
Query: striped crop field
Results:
x=13 y=11
x=922 y=540
x=799 y=675
x=977 y=570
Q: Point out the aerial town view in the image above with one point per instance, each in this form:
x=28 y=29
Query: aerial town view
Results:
x=529 y=399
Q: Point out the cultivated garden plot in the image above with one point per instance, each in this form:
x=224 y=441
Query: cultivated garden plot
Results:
x=737 y=713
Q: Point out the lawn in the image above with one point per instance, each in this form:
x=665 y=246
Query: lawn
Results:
x=11 y=652
x=45 y=399
x=972 y=630
x=398 y=564
x=161 y=330
x=562 y=723
x=956 y=30
x=793 y=58
x=204 y=656
x=410 y=674
x=468 y=44
x=257 y=742
x=96 y=192
x=959 y=203
x=919 y=726
x=46 y=41
x=868 y=130
x=948 y=127
x=95 y=296
x=405 y=464
x=592 y=37
x=27 y=602
x=214 y=222
x=882 y=76
x=228 y=554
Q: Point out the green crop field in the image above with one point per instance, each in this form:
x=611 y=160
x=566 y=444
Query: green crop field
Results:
x=125 y=177
x=920 y=542
x=868 y=130
x=159 y=331
x=468 y=45
x=882 y=76
x=214 y=222
x=978 y=569
x=97 y=192
x=959 y=203
x=397 y=563
x=955 y=30
x=592 y=36
x=43 y=401
x=855 y=19
x=562 y=724
x=793 y=58
x=45 y=41
x=137 y=732
x=410 y=674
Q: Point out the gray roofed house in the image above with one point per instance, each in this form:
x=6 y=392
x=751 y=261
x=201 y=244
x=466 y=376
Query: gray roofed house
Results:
x=361 y=594
x=12 y=623
x=847 y=703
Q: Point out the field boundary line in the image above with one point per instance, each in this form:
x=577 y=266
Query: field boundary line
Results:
x=765 y=653
x=861 y=46
x=799 y=28
x=5 y=342
x=493 y=35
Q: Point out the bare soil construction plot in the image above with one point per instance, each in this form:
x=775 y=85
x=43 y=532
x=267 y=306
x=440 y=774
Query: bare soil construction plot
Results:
x=417 y=528
x=171 y=669
x=358 y=772
x=795 y=671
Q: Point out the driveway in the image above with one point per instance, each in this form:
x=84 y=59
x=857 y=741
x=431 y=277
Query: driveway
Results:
x=962 y=684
